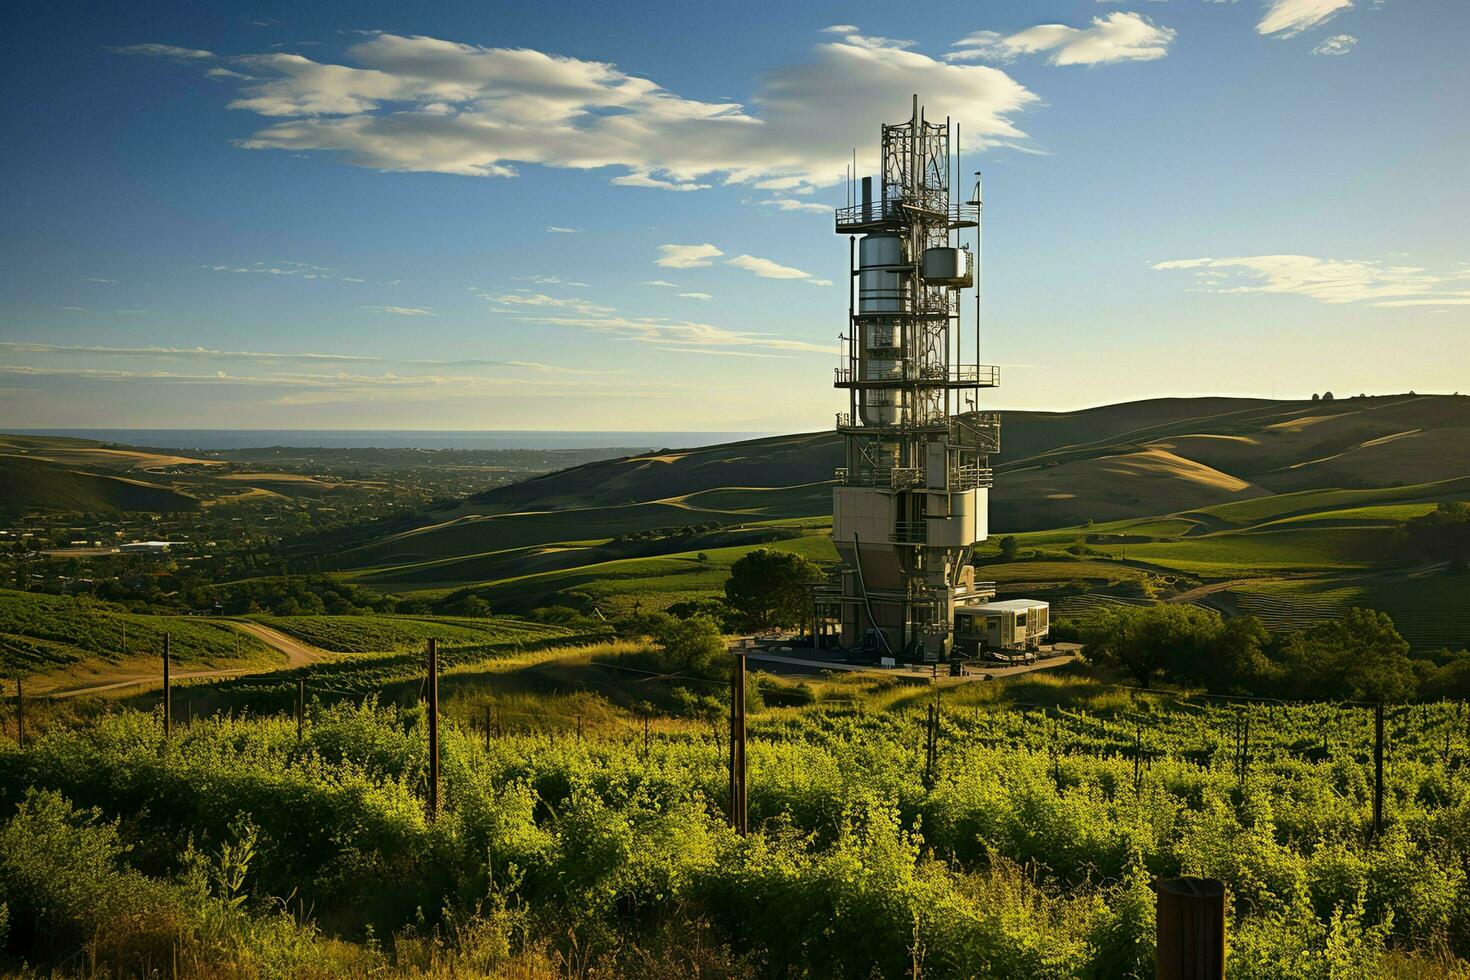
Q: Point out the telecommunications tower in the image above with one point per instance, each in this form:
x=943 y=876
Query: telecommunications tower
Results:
x=911 y=501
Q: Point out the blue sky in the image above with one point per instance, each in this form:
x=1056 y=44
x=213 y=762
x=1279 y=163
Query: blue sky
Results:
x=522 y=216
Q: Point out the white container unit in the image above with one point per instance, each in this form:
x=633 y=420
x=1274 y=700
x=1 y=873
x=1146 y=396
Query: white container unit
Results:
x=1009 y=624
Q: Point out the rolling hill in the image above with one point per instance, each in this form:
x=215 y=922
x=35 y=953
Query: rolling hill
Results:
x=1118 y=503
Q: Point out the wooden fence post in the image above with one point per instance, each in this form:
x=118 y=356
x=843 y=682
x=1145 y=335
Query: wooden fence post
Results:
x=168 y=708
x=1377 y=769
x=1191 y=929
x=433 y=729
x=738 y=815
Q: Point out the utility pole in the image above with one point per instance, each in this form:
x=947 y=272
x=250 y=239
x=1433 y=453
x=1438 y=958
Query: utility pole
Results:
x=1377 y=770
x=168 y=710
x=433 y=729
x=738 y=816
x=300 y=706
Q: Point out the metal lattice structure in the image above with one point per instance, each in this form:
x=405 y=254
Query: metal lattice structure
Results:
x=911 y=501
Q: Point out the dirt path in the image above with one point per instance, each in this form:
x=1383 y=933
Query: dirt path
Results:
x=297 y=654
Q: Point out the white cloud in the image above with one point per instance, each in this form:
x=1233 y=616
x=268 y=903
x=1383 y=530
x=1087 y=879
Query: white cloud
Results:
x=696 y=295
x=687 y=256
x=218 y=72
x=299 y=270
x=1115 y=37
x=1326 y=280
x=792 y=204
x=559 y=230
x=426 y=104
x=1288 y=18
x=401 y=310
x=172 y=52
x=1336 y=44
x=110 y=282
x=526 y=298
x=658 y=282
x=212 y=354
x=678 y=333
x=765 y=268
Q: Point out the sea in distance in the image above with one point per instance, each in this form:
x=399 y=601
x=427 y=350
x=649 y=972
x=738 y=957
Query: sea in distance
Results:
x=395 y=438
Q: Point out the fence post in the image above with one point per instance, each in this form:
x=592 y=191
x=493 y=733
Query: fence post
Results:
x=433 y=729
x=168 y=708
x=738 y=816
x=1377 y=769
x=1191 y=929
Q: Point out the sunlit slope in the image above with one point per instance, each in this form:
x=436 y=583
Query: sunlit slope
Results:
x=35 y=484
x=1168 y=482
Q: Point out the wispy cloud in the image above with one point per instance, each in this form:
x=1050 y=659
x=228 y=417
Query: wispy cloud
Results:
x=305 y=357
x=1117 y=36
x=658 y=282
x=112 y=282
x=765 y=268
x=1336 y=44
x=1288 y=18
x=169 y=51
x=522 y=298
x=696 y=295
x=792 y=204
x=678 y=333
x=298 y=270
x=559 y=230
x=401 y=310
x=687 y=256
x=1327 y=280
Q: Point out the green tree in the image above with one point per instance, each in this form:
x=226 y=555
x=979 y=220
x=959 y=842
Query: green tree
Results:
x=1147 y=640
x=1008 y=547
x=692 y=646
x=769 y=588
x=1358 y=656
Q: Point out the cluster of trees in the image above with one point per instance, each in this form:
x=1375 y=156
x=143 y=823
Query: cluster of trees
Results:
x=309 y=595
x=1358 y=656
x=766 y=590
x=1443 y=534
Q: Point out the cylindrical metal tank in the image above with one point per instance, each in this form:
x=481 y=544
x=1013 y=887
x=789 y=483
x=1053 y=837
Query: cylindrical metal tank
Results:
x=882 y=288
x=880 y=274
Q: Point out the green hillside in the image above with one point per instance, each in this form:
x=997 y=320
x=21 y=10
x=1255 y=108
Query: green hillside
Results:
x=34 y=484
x=41 y=633
x=1127 y=502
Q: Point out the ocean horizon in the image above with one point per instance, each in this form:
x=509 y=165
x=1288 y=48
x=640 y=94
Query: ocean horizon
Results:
x=222 y=439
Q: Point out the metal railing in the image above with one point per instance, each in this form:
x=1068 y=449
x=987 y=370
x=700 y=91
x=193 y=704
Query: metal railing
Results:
x=962 y=375
x=910 y=532
x=894 y=209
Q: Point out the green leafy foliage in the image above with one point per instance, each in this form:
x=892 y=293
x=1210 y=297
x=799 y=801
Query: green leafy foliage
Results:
x=768 y=588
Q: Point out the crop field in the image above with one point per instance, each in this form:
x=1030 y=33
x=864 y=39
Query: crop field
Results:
x=1250 y=553
x=1427 y=610
x=1024 y=850
x=39 y=633
x=375 y=634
